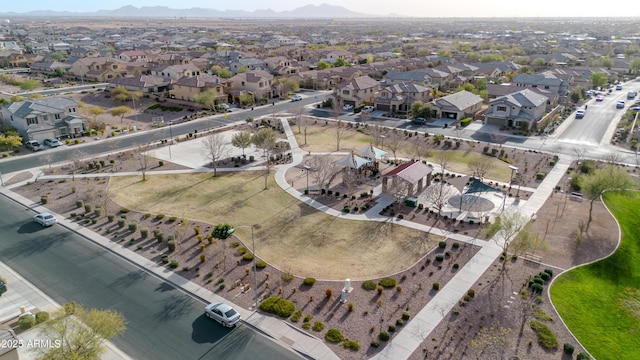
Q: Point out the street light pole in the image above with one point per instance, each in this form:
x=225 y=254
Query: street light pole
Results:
x=170 y=138
x=307 y=168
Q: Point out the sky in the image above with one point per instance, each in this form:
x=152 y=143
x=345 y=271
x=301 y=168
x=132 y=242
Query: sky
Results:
x=417 y=8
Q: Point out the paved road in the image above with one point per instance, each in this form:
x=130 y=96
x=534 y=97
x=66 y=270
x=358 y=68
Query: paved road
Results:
x=163 y=322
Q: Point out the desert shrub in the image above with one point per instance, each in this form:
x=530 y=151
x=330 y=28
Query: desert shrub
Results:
x=456 y=266
x=351 y=344
x=405 y=316
x=42 y=316
x=203 y=257
x=124 y=210
x=261 y=264
x=545 y=276
x=296 y=316
x=79 y=203
x=334 y=335
x=88 y=208
x=171 y=245
x=159 y=216
x=369 y=285
x=318 y=326
x=538 y=280
x=350 y=306
x=144 y=233
x=388 y=282
x=439 y=257
x=568 y=349
x=309 y=281
x=121 y=223
x=471 y=293
x=174 y=264
x=328 y=293
x=536 y=287
x=548 y=271
x=541 y=175
x=110 y=217
x=455 y=245
x=384 y=336
x=235 y=244
x=436 y=286
x=247 y=256
x=26 y=321
x=160 y=236
x=442 y=244
x=279 y=306
x=546 y=338
x=165 y=259
x=173 y=218
x=375 y=343
x=583 y=356
x=241 y=251
x=392 y=328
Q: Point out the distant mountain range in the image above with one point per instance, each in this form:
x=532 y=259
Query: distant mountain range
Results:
x=308 y=11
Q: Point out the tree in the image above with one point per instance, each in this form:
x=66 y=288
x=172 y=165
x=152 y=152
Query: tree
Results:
x=57 y=56
x=243 y=69
x=80 y=333
x=143 y=159
x=221 y=72
x=245 y=99
x=598 y=79
x=214 y=148
x=30 y=84
x=121 y=111
x=593 y=185
x=265 y=139
x=241 y=140
x=17 y=98
x=8 y=142
x=575 y=95
x=480 y=166
x=95 y=111
x=606 y=62
x=527 y=241
x=340 y=131
x=438 y=194
x=76 y=162
x=538 y=62
x=323 y=65
x=635 y=65
x=323 y=168
x=340 y=62
x=395 y=140
x=365 y=116
x=419 y=109
x=207 y=98
x=510 y=223
x=290 y=85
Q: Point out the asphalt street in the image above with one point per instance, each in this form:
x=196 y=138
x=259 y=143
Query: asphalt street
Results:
x=163 y=322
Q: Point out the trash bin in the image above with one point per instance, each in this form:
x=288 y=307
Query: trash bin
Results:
x=411 y=201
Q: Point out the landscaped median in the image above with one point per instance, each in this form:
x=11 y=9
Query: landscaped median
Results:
x=600 y=302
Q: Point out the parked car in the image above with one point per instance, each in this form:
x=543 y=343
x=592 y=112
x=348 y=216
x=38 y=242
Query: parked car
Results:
x=34 y=145
x=599 y=98
x=620 y=104
x=579 y=114
x=347 y=107
x=632 y=95
x=222 y=313
x=367 y=109
x=45 y=219
x=3 y=287
x=419 y=121
x=618 y=87
x=296 y=98
x=52 y=142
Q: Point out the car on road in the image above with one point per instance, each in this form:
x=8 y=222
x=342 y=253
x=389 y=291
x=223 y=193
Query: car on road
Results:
x=222 y=313
x=347 y=107
x=52 y=142
x=618 y=87
x=34 y=145
x=3 y=287
x=419 y=121
x=620 y=104
x=296 y=98
x=45 y=219
x=368 y=108
x=599 y=98
x=580 y=113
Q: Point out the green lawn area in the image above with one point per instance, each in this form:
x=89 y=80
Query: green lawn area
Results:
x=288 y=233
x=589 y=298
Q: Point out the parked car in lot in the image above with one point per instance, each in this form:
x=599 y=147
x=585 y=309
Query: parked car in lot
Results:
x=296 y=98
x=579 y=114
x=620 y=104
x=419 y=121
x=367 y=109
x=347 y=107
x=45 y=219
x=52 y=142
x=34 y=145
x=222 y=313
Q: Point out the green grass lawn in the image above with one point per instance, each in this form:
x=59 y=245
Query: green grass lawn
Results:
x=589 y=297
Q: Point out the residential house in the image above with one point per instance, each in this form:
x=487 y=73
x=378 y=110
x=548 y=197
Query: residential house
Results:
x=45 y=118
x=99 y=69
x=522 y=108
x=132 y=55
x=495 y=91
x=544 y=81
x=398 y=98
x=251 y=64
x=457 y=106
x=419 y=77
x=143 y=83
x=175 y=72
x=361 y=90
x=188 y=88
x=50 y=67
x=260 y=84
x=334 y=55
